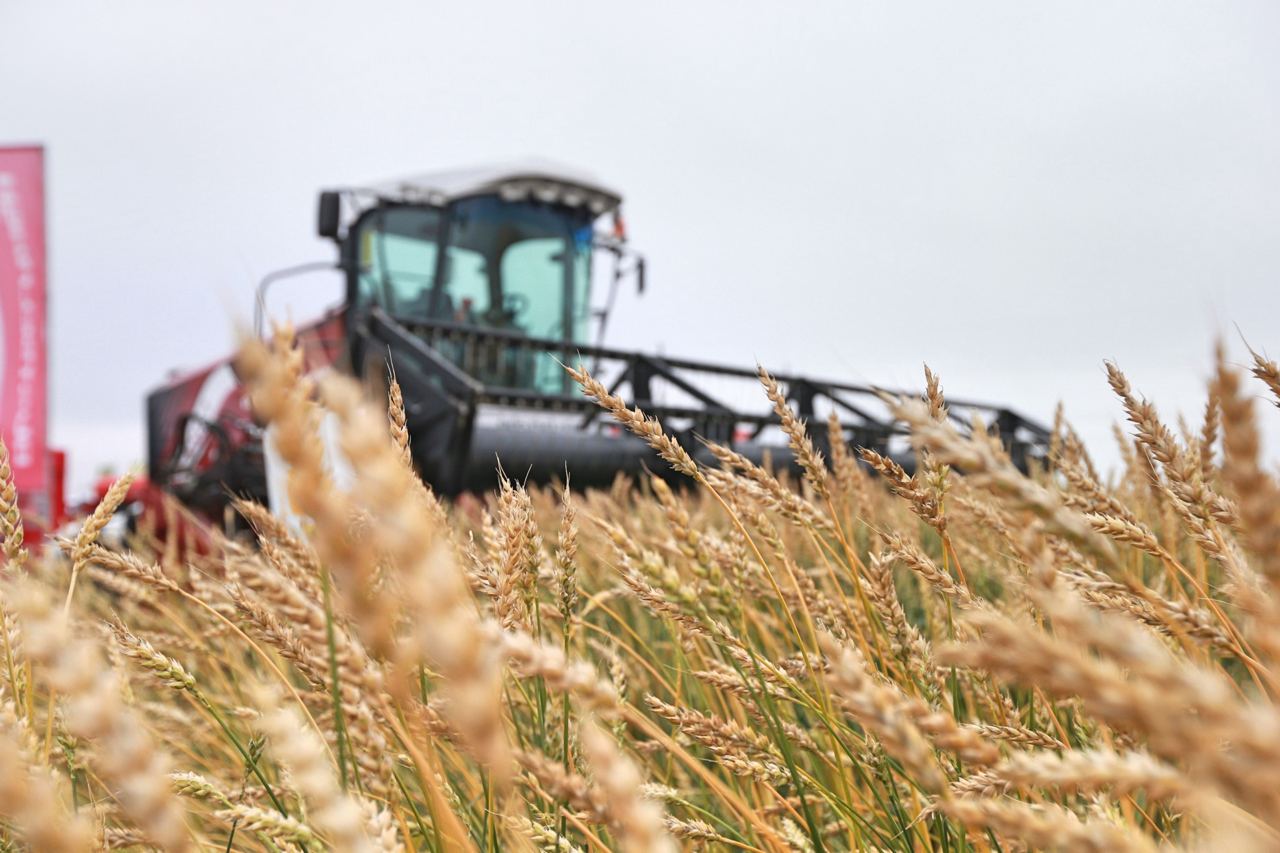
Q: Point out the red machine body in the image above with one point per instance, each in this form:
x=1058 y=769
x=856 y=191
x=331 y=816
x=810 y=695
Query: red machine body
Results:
x=202 y=432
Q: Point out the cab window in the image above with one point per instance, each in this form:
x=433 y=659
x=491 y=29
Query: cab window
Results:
x=397 y=259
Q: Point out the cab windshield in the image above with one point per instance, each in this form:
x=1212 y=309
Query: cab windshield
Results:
x=521 y=267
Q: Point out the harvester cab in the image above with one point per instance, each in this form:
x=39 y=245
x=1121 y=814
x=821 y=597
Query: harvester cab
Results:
x=475 y=288
x=503 y=251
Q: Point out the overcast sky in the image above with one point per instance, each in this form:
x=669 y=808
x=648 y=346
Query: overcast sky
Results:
x=1010 y=191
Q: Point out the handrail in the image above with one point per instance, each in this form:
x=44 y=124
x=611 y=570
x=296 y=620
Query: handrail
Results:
x=712 y=417
x=590 y=351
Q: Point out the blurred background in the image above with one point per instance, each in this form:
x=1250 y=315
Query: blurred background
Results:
x=1011 y=192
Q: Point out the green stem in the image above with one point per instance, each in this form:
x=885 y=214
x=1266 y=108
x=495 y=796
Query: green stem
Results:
x=249 y=761
x=339 y=717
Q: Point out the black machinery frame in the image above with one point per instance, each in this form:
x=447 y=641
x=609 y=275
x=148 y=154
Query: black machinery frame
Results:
x=443 y=397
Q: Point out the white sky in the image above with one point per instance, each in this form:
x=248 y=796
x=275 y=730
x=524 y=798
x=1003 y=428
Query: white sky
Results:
x=1011 y=191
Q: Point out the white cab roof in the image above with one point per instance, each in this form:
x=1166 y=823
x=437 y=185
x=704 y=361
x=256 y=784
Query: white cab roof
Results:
x=543 y=180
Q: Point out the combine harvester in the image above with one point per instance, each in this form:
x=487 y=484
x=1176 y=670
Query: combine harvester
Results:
x=475 y=287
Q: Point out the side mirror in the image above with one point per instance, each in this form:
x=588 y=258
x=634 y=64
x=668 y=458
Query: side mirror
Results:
x=329 y=214
x=639 y=274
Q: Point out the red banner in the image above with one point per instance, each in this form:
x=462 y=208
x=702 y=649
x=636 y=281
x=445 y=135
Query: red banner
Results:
x=23 y=404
